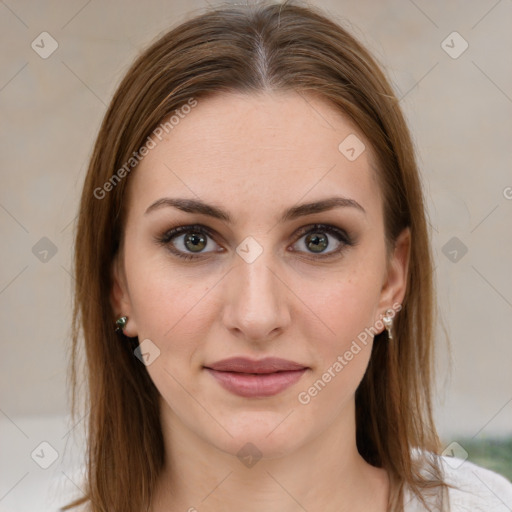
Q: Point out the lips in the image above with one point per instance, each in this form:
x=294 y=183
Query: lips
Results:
x=245 y=365
x=256 y=378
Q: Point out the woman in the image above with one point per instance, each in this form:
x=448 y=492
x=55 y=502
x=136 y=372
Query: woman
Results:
x=254 y=282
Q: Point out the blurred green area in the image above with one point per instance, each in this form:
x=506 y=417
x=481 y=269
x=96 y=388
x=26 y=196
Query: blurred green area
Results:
x=495 y=454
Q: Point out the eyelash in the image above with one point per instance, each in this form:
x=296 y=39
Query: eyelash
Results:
x=339 y=234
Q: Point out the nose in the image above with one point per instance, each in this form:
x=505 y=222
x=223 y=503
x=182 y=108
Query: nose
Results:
x=256 y=300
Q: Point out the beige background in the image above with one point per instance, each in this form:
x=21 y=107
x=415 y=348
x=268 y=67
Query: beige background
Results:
x=460 y=112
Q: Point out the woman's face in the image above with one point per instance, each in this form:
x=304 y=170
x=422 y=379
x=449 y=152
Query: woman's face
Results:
x=266 y=282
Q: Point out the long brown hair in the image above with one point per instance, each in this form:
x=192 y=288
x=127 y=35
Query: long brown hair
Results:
x=265 y=46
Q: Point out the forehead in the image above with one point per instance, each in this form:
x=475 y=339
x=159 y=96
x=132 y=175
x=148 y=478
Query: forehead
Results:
x=258 y=150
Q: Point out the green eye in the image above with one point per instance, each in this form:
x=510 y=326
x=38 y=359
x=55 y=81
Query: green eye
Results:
x=317 y=239
x=190 y=242
x=194 y=238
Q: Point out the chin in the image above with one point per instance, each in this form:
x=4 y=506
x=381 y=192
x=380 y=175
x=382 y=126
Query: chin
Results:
x=262 y=432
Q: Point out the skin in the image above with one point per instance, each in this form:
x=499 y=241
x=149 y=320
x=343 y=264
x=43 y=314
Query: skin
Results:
x=256 y=155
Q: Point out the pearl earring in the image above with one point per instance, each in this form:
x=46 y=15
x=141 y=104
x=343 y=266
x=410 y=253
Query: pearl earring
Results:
x=388 y=322
x=121 y=324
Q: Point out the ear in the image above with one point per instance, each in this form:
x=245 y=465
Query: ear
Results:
x=395 y=284
x=120 y=297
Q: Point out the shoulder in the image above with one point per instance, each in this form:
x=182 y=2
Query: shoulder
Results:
x=480 y=488
x=473 y=488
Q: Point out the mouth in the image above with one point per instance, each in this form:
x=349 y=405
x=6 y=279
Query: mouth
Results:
x=256 y=379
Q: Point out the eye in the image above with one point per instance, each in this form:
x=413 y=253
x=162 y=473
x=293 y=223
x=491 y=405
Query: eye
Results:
x=316 y=239
x=186 y=241
x=189 y=242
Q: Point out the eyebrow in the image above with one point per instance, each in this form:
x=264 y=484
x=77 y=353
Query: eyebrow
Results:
x=197 y=206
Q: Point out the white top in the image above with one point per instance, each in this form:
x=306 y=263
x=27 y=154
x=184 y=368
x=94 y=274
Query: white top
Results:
x=479 y=489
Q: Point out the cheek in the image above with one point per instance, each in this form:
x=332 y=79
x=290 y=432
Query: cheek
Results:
x=345 y=307
x=175 y=312
x=344 y=303
x=342 y=353
x=163 y=294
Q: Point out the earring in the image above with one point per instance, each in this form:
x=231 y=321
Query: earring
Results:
x=121 y=324
x=387 y=319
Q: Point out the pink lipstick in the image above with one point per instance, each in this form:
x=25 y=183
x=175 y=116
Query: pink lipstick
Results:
x=256 y=378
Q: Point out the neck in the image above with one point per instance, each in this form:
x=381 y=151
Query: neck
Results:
x=325 y=474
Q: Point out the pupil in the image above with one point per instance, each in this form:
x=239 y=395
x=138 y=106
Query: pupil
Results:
x=319 y=242
x=195 y=241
